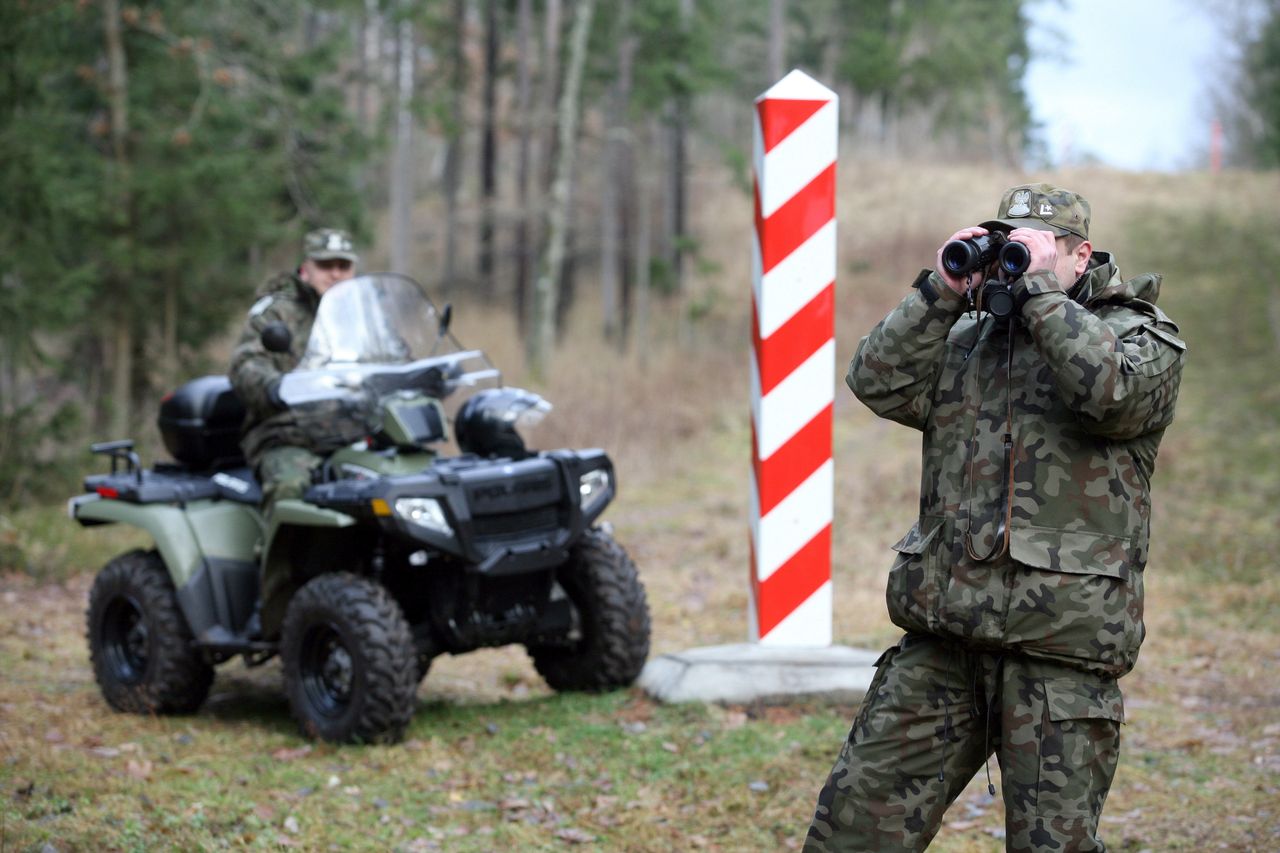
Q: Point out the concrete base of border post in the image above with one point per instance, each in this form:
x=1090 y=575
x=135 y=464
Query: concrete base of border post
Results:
x=750 y=672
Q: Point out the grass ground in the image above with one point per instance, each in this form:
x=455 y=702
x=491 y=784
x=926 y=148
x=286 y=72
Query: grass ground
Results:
x=494 y=761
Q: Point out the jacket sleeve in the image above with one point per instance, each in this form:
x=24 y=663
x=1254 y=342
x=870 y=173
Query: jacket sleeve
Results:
x=1122 y=381
x=896 y=366
x=253 y=368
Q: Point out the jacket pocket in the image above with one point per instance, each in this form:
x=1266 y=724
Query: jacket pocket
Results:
x=1073 y=596
x=1079 y=745
x=911 y=593
x=1163 y=351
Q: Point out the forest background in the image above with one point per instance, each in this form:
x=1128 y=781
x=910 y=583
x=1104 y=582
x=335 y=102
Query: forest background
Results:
x=159 y=159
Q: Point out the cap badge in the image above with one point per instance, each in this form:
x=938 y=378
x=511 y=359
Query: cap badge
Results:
x=1020 y=204
x=1045 y=209
x=336 y=243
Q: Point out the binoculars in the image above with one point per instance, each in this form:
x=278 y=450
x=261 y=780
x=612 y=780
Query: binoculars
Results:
x=961 y=257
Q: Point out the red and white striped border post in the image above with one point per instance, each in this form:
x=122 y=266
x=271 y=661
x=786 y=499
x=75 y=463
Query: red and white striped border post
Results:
x=793 y=364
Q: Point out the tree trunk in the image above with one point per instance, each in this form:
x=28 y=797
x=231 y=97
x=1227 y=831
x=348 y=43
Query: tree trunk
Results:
x=169 y=370
x=617 y=142
x=402 y=155
x=549 y=86
x=777 y=40
x=678 y=193
x=368 y=102
x=558 y=218
x=609 y=236
x=121 y=377
x=543 y=118
x=122 y=319
x=643 y=254
x=453 y=152
x=366 y=42
x=524 y=104
x=568 y=287
x=488 y=148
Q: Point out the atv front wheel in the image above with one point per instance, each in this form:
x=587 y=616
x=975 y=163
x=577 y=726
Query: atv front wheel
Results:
x=349 y=661
x=613 y=620
x=142 y=650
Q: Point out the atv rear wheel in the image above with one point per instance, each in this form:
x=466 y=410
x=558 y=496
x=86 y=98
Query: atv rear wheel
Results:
x=613 y=619
x=143 y=654
x=349 y=661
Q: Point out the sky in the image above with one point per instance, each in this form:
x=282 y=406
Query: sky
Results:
x=1125 y=81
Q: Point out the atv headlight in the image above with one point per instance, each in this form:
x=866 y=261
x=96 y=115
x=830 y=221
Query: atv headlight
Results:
x=593 y=486
x=424 y=512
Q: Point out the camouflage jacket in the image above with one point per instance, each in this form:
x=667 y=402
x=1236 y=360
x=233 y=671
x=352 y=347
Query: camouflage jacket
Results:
x=284 y=299
x=320 y=426
x=1076 y=395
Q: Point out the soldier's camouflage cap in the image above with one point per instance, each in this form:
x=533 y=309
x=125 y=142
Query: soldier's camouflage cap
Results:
x=1045 y=207
x=327 y=244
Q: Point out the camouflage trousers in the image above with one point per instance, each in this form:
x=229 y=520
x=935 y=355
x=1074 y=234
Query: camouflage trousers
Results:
x=935 y=712
x=283 y=472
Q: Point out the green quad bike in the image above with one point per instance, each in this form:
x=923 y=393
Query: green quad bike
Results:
x=396 y=554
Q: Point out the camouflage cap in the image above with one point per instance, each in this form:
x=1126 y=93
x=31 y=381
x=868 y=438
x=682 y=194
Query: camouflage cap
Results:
x=1045 y=207
x=326 y=244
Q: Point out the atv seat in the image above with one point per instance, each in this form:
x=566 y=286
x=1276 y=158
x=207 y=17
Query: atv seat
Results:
x=200 y=423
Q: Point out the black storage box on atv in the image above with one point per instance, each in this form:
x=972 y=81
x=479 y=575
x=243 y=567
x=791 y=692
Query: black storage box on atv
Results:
x=200 y=423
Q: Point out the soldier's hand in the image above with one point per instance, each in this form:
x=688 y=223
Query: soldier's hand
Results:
x=1042 y=245
x=959 y=284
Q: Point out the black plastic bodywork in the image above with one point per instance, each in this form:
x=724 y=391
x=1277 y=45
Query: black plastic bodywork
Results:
x=218 y=602
x=507 y=515
x=492 y=581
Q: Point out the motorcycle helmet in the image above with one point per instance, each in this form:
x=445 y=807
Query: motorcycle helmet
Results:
x=487 y=424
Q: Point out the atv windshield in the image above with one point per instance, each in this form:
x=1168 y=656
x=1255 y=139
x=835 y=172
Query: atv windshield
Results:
x=375 y=319
x=377 y=334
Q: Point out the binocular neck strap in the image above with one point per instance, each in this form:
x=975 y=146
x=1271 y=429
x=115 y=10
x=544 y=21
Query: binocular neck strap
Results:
x=1003 y=531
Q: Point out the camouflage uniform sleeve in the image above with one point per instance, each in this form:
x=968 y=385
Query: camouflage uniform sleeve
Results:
x=1122 y=381
x=254 y=368
x=896 y=366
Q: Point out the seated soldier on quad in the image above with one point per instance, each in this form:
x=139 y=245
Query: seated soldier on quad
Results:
x=278 y=448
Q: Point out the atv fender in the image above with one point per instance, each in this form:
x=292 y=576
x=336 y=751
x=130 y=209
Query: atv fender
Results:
x=296 y=526
x=208 y=550
x=291 y=511
x=168 y=526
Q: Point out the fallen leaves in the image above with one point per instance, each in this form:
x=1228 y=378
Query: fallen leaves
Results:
x=139 y=769
x=286 y=754
x=574 y=836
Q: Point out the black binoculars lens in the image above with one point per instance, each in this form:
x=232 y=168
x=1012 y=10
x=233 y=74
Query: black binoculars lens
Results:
x=1014 y=258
